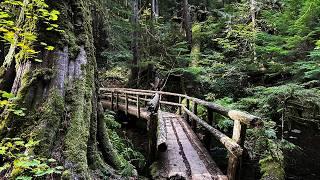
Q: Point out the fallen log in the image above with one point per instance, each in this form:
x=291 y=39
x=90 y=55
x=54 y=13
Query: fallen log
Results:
x=161 y=133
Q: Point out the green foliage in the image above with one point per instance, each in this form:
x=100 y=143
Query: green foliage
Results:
x=268 y=103
x=130 y=158
x=6 y=101
x=116 y=73
x=18 y=161
x=18 y=22
x=255 y=69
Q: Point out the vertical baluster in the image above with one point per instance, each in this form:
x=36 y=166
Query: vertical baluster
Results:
x=138 y=106
x=145 y=102
x=195 y=111
x=188 y=107
x=180 y=102
x=126 y=103
x=207 y=137
x=112 y=100
x=160 y=101
x=117 y=100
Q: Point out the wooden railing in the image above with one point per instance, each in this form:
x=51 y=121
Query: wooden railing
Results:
x=151 y=100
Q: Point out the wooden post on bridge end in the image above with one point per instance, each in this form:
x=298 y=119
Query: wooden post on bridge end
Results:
x=179 y=108
x=138 y=106
x=195 y=111
x=207 y=136
x=152 y=137
x=126 y=103
x=188 y=107
x=117 y=100
x=234 y=163
x=112 y=100
x=145 y=102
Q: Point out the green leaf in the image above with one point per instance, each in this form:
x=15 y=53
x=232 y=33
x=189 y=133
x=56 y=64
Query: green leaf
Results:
x=3 y=150
x=60 y=167
x=38 y=60
x=49 y=48
x=19 y=143
x=54 y=15
x=7 y=95
x=32 y=143
x=5 y=167
x=24 y=178
x=43 y=44
x=19 y=112
x=52 y=160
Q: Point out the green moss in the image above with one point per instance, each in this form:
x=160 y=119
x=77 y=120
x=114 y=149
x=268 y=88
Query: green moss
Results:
x=66 y=175
x=154 y=169
x=50 y=116
x=31 y=78
x=272 y=168
x=76 y=139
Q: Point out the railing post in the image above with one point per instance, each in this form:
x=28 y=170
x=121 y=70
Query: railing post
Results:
x=180 y=102
x=207 y=137
x=117 y=100
x=138 y=106
x=126 y=103
x=195 y=111
x=159 y=101
x=234 y=163
x=145 y=102
x=188 y=107
x=112 y=100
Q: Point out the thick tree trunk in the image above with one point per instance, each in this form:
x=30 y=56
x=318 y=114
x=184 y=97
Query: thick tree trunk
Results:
x=187 y=23
x=61 y=98
x=155 y=9
x=134 y=77
x=253 y=19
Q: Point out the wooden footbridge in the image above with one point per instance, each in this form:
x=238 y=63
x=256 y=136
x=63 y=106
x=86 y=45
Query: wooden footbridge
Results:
x=173 y=141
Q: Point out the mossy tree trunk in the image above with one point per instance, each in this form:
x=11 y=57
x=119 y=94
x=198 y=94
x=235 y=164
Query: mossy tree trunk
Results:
x=61 y=97
x=134 y=76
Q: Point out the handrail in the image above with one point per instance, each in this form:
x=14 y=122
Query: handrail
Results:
x=230 y=144
x=234 y=145
x=235 y=115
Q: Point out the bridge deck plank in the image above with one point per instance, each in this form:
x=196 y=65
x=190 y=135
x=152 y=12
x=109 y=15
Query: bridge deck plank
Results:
x=185 y=155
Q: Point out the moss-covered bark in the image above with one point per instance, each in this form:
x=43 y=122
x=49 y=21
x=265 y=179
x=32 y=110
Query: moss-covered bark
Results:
x=61 y=98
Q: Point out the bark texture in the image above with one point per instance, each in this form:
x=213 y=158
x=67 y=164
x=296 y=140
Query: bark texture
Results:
x=61 y=98
x=134 y=77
